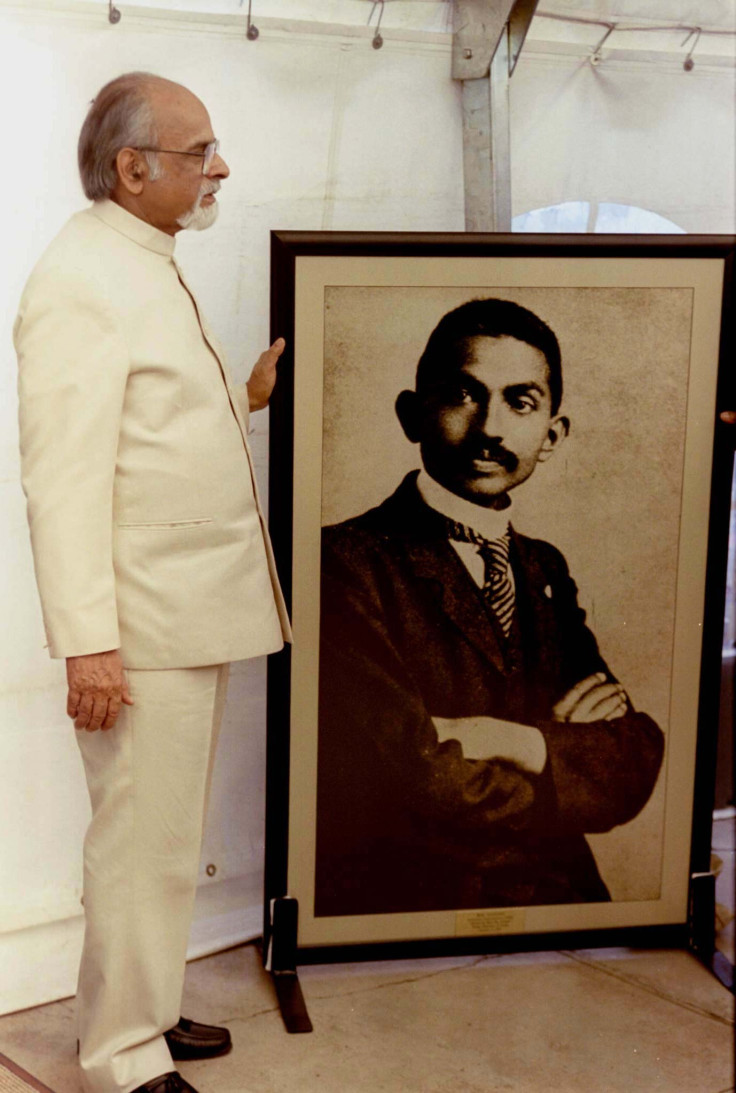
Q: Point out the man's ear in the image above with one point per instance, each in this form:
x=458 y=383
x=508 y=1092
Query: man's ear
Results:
x=132 y=169
x=559 y=427
x=407 y=411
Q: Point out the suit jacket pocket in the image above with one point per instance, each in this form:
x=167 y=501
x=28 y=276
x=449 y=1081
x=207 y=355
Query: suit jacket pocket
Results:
x=165 y=525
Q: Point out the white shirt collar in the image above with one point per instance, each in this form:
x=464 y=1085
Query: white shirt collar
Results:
x=118 y=218
x=490 y=523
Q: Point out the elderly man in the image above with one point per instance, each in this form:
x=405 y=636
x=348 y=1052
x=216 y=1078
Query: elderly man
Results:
x=152 y=559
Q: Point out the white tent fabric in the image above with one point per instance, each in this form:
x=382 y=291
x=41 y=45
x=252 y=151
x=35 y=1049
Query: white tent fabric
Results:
x=634 y=133
x=321 y=132
x=303 y=123
x=699 y=13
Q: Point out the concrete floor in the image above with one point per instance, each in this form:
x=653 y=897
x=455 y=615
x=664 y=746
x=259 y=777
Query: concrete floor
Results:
x=597 y=1021
x=589 y=1021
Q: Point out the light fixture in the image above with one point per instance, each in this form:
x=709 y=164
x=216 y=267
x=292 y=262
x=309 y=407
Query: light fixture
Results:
x=377 y=37
x=595 y=57
x=252 y=31
x=689 y=64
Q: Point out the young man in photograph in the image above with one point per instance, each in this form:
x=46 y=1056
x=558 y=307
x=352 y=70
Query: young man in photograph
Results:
x=470 y=734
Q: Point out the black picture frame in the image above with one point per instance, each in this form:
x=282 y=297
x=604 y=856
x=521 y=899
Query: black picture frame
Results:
x=304 y=264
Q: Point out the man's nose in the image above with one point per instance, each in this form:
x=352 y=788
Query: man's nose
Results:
x=490 y=418
x=218 y=168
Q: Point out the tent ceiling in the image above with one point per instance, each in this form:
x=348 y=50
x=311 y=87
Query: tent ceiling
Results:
x=714 y=14
x=436 y=15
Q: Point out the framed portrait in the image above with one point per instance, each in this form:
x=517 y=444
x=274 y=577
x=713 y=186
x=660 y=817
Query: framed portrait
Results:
x=499 y=504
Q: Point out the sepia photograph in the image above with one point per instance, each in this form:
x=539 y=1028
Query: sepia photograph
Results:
x=456 y=664
x=497 y=546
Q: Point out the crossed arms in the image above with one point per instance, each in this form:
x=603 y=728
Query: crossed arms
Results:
x=594 y=698
x=416 y=710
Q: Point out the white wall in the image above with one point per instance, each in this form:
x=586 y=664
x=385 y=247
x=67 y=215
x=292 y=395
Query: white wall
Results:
x=320 y=131
x=630 y=131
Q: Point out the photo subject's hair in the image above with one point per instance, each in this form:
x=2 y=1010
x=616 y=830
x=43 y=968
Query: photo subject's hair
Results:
x=490 y=318
x=120 y=116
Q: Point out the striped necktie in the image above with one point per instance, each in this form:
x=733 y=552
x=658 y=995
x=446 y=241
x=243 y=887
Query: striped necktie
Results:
x=498 y=591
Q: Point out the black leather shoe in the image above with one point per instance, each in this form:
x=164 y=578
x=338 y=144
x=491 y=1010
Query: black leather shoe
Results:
x=166 y=1083
x=190 y=1040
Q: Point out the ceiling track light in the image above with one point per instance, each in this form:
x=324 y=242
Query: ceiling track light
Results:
x=113 y=14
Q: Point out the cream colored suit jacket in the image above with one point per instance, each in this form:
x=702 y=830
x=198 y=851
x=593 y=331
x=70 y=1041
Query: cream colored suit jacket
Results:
x=145 y=525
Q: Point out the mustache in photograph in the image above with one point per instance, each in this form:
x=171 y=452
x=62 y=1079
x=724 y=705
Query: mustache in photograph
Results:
x=488 y=450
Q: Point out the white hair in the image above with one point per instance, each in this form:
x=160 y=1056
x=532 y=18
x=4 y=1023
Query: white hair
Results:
x=120 y=116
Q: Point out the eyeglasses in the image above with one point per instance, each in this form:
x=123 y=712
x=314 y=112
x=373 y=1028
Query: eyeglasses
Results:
x=207 y=155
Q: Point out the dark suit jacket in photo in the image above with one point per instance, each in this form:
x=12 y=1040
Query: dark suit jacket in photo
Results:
x=406 y=823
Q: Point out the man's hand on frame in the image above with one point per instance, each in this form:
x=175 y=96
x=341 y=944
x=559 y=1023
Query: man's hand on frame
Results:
x=97 y=689
x=263 y=377
x=592 y=699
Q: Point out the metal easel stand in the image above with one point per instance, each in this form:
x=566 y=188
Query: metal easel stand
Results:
x=702 y=923
x=281 y=963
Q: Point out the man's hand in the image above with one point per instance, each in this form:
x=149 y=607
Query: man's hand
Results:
x=97 y=688
x=729 y=417
x=485 y=737
x=263 y=377
x=592 y=699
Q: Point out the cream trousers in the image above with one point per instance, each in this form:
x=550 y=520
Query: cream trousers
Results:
x=148 y=780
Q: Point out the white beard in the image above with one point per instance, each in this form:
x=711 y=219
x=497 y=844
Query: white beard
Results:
x=201 y=216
